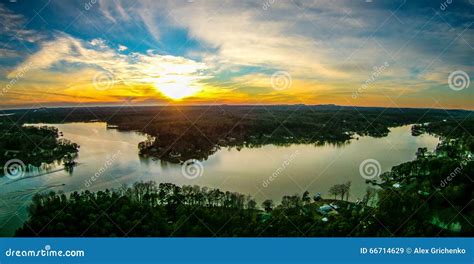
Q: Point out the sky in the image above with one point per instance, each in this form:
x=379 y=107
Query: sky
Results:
x=364 y=53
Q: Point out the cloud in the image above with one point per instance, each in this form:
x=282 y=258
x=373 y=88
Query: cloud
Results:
x=320 y=40
x=329 y=48
x=8 y=53
x=136 y=66
x=122 y=48
x=81 y=64
x=245 y=35
x=112 y=9
x=12 y=27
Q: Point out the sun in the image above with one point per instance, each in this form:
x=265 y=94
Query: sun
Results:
x=177 y=91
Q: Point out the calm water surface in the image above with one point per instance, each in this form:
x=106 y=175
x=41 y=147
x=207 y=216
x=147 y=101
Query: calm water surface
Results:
x=113 y=157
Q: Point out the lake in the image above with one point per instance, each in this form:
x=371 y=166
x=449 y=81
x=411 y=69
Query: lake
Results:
x=109 y=158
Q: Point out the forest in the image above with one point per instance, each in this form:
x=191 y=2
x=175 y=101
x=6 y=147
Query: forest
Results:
x=179 y=133
x=33 y=145
x=429 y=196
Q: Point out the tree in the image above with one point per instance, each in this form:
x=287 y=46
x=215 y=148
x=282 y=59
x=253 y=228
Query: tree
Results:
x=251 y=204
x=317 y=197
x=341 y=189
x=334 y=190
x=267 y=205
x=347 y=188
x=369 y=195
x=421 y=152
x=306 y=199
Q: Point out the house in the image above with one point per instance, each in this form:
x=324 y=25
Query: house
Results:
x=396 y=185
x=14 y=152
x=175 y=154
x=328 y=209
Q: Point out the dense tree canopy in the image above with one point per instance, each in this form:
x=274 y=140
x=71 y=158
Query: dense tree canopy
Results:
x=33 y=145
x=429 y=196
x=180 y=133
x=415 y=198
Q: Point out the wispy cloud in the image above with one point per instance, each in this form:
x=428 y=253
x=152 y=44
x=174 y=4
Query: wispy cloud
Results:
x=227 y=51
x=13 y=28
x=80 y=65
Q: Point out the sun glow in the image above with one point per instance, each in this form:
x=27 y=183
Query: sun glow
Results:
x=177 y=91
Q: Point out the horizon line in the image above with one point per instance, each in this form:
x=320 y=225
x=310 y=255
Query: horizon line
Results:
x=236 y=105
